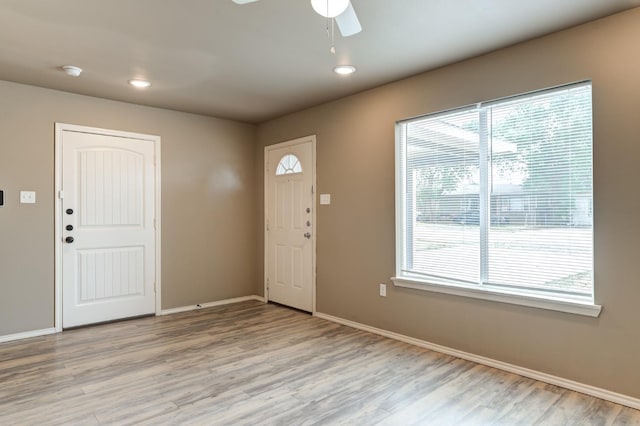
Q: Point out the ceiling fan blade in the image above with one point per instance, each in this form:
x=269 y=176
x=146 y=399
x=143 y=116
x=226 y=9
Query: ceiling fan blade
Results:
x=348 y=22
x=243 y=1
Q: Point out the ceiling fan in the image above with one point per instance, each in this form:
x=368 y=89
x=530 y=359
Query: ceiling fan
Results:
x=340 y=10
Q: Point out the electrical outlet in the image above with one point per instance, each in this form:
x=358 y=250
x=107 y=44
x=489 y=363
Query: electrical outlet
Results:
x=383 y=290
x=27 y=197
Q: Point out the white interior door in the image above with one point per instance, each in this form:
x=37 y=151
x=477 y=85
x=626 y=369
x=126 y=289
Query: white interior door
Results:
x=289 y=208
x=108 y=212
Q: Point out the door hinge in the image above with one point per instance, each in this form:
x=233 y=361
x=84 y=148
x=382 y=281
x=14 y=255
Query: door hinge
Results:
x=267 y=284
x=61 y=194
x=313 y=190
x=154 y=223
x=267 y=226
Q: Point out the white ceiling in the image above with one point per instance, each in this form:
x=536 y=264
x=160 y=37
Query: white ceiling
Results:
x=260 y=60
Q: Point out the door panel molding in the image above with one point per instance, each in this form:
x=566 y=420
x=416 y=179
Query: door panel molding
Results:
x=60 y=128
x=307 y=139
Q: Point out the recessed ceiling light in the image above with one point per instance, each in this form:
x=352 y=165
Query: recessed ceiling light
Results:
x=72 y=70
x=344 y=69
x=140 y=84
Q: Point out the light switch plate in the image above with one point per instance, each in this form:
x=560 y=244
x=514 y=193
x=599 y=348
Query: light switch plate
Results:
x=325 y=199
x=27 y=197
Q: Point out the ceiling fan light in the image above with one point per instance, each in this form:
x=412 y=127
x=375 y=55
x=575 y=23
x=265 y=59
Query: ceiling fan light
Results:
x=329 y=8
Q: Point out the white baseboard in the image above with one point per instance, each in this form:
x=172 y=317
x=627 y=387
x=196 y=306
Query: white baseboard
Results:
x=27 y=334
x=532 y=374
x=210 y=304
x=44 y=332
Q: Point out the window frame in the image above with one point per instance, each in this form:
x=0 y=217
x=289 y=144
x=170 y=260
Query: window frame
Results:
x=288 y=170
x=522 y=297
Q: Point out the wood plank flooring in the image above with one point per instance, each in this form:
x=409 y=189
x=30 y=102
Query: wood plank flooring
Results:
x=252 y=363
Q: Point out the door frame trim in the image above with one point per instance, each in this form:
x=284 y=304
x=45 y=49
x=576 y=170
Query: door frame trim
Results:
x=58 y=233
x=298 y=141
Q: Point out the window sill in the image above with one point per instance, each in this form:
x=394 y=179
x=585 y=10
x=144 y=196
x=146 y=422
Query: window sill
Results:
x=572 y=307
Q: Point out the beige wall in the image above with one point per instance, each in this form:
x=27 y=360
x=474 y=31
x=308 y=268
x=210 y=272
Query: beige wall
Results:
x=356 y=233
x=208 y=200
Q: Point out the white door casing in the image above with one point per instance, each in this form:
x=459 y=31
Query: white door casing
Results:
x=290 y=223
x=108 y=192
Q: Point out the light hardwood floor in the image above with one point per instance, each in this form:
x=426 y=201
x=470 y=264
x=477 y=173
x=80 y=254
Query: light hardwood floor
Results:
x=252 y=363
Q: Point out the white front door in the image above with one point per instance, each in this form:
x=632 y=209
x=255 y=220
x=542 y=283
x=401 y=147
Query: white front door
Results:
x=108 y=185
x=289 y=204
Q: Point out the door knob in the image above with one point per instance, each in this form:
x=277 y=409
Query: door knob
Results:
x=307 y=235
x=68 y=240
x=69 y=211
x=69 y=227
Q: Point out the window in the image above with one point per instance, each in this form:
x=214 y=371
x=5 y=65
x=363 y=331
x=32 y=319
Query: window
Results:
x=496 y=200
x=288 y=164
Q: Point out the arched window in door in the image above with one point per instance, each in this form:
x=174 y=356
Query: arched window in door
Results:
x=289 y=164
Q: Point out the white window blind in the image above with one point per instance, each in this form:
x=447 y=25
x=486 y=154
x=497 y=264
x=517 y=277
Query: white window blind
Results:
x=499 y=196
